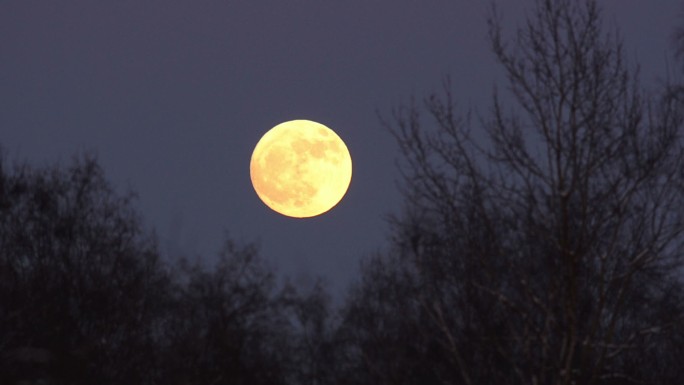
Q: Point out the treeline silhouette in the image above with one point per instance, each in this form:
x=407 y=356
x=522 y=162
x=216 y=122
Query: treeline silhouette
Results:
x=85 y=297
x=542 y=244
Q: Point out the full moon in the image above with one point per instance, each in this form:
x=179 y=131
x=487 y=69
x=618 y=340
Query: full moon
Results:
x=300 y=168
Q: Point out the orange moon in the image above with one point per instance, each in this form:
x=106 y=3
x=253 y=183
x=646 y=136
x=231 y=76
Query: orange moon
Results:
x=300 y=168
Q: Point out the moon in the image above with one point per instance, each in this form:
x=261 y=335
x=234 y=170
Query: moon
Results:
x=300 y=168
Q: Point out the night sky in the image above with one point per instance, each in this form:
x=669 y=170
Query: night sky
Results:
x=172 y=96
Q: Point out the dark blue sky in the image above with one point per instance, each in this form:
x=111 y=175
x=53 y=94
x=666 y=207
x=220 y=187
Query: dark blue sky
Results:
x=174 y=95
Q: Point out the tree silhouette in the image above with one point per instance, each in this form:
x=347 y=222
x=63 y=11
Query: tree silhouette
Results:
x=85 y=297
x=538 y=246
x=80 y=282
x=315 y=344
x=228 y=324
x=550 y=253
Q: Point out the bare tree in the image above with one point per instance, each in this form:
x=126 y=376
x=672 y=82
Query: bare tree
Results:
x=312 y=346
x=386 y=336
x=550 y=253
x=228 y=324
x=80 y=281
